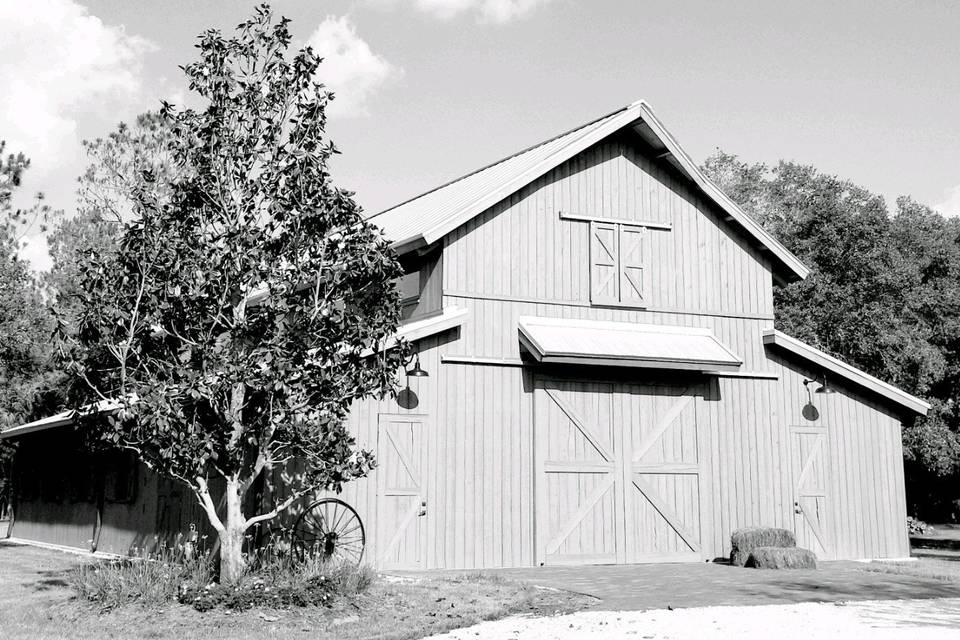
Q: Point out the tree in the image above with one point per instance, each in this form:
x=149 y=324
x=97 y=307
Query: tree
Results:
x=241 y=316
x=25 y=322
x=116 y=168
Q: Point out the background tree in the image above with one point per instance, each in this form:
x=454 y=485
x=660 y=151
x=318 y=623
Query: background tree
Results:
x=242 y=314
x=883 y=294
x=130 y=158
x=25 y=322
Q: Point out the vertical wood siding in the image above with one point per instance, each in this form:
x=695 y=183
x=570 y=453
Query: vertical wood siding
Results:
x=521 y=248
x=755 y=483
x=477 y=471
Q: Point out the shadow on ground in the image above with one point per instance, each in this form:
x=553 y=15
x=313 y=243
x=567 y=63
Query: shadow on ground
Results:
x=641 y=587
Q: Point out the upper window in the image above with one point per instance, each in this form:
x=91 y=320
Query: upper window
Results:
x=618 y=264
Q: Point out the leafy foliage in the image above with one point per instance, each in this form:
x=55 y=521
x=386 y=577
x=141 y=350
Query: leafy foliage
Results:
x=883 y=293
x=130 y=158
x=25 y=321
x=246 y=304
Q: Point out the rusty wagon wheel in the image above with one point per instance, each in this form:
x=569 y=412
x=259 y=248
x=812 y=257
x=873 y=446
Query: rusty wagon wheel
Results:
x=329 y=528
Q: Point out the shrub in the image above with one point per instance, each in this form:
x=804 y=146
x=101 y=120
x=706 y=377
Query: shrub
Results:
x=274 y=577
x=283 y=583
x=150 y=580
x=781 y=558
x=916 y=527
x=743 y=541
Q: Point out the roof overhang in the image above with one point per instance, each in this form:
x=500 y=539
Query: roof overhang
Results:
x=448 y=318
x=62 y=419
x=624 y=344
x=844 y=371
x=791 y=268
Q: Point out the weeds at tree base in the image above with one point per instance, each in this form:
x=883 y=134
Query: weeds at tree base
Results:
x=272 y=580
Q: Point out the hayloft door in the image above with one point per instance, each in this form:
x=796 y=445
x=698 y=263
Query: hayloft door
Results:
x=403 y=506
x=808 y=465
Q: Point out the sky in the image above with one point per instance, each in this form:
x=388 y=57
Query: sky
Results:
x=430 y=89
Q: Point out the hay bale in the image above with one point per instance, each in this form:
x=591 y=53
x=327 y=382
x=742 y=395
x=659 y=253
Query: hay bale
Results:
x=782 y=558
x=743 y=541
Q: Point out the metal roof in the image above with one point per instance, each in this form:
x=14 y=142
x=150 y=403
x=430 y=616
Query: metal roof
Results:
x=430 y=216
x=573 y=341
x=62 y=419
x=845 y=371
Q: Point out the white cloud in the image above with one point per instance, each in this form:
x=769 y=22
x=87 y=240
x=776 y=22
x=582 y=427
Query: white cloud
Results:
x=498 y=11
x=59 y=64
x=951 y=202
x=65 y=75
x=350 y=67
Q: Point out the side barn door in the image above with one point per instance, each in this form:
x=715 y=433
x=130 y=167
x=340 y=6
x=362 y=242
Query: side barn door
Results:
x=663 y=475
x=808 y=467
x=401 y=492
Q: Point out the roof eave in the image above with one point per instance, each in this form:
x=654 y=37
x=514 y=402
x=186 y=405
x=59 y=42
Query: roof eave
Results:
x=792 y=268
x=64 y=419
x=845 y=371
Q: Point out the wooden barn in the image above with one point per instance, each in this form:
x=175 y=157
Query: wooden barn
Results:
x=605 y=384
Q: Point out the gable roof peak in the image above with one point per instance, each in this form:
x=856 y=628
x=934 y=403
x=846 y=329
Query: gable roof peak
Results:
x=426 y=218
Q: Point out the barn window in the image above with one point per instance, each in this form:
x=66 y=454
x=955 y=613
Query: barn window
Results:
x=120 y=480
x=419 y=287
x=618 y=264
x=409 y=287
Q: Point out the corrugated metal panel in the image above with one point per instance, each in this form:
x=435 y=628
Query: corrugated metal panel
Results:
x=625 y=344
x=434 y=209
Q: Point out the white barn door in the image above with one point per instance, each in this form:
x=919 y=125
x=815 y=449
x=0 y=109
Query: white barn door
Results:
x=402 y=495
x=617 y=473
x=808 y=466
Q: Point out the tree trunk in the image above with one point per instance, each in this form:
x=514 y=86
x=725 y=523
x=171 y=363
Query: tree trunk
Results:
x=232 y=562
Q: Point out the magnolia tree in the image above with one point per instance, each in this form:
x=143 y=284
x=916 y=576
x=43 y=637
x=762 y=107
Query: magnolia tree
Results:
x=240 y=316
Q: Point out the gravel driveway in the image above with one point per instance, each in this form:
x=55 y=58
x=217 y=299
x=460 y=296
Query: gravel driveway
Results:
x=870 y=620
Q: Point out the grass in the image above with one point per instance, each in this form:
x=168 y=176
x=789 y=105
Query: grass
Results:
x=36 y=603
x=930 y=568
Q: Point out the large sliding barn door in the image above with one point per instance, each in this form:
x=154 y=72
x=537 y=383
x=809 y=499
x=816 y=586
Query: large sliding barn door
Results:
x=402 y=495
x=618 y=475
x=663 y=497
x=808 y=465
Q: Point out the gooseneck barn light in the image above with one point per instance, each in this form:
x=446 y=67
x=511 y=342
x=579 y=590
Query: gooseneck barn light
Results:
x=417 y=371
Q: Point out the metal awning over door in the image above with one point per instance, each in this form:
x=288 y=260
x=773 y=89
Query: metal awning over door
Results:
x=618 y=473
x=624 y=344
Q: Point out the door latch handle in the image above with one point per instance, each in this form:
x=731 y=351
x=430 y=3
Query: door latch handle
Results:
x=423 y=509
x=797 y=508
